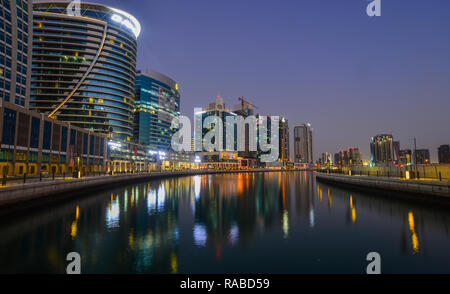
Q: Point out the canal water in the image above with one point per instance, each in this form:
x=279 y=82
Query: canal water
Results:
x=230 y=223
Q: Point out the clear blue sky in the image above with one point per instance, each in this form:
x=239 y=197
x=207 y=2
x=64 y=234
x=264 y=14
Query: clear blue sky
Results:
x=319 y=61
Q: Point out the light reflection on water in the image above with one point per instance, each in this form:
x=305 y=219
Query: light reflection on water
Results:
x=240 y=223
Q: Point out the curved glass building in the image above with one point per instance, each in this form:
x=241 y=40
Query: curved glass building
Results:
x=157 y=104
x=84 y=66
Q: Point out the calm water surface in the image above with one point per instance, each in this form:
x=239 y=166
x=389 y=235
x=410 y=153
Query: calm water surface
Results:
x=239 y=223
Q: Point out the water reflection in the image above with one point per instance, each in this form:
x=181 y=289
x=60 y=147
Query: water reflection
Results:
x=251 y=223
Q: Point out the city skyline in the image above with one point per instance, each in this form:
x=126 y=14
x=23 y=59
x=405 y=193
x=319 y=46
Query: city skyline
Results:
x=382 y=78
x=192 y=137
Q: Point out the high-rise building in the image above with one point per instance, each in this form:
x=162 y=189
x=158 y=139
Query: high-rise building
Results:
x=337 y=159
x=303 y=144
x=157 y=104
x=15 y=51
x=326 y=159
x=284 y=140
x=396 y=150
x=405 y=157
x=422 y=156
x=84 y=66
x=246 y=109
x=444 y=154
x=354 y=156
x=215 y=109
x=382 y=150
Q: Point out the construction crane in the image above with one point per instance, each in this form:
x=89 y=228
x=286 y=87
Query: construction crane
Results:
x=246 y=105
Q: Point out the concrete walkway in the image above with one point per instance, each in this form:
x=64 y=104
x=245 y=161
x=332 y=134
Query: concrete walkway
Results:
x=420 y=187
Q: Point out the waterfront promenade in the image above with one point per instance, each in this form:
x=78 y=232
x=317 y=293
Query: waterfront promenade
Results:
x=429 y=189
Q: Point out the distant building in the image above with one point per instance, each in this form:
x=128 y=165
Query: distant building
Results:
x=344 y=158
x=444 y=154
x=157 y=104
x=15 y=51
x=382 y=149
x=396 y=150
x=284 y=140
x=303 y=144
x=337 y=159
x=326 y=159
x=405 y=157
x=354 y=156
x=422 y=156
x=246 y=109
x=217 y=109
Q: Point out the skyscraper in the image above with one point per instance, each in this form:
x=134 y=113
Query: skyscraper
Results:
x=303 y=144
x=444 y=154
x=84 y=66
x=405 y=157
x=284 y=139
x=15 y=51
x=422 y=156
x=354 y=156
x=157 y=104
x=215 y=109
x=326 y=159
x=381 y=149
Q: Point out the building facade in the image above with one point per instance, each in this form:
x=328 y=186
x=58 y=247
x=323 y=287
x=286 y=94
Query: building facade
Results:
x=15 y=51
x=284 y=140
x=405 y=157
x=354 y=156
x=444 y=154
x=216 y=109
x=157 y=104
x=303 y=144
x=382 y=150
x=84 y=66
x=32 y=143
x=422 y=156
x=326 y=159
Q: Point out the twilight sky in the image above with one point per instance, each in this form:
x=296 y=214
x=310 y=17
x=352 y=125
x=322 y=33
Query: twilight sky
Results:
x=319 y=61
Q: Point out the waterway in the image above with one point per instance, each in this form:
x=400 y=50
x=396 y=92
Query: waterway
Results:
x=229 y=223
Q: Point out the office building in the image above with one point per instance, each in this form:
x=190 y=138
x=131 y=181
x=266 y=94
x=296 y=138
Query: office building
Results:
x=337 y=159
x=405 y=157
x=303 y=144
x=157 y=105
x=444 y=154
x=84 y=66
x=15 y=51
x=284 y=140
x=215 y=109
x=326 y=159
x=422 y=156
x=396 y=150
x=382 y=150
x=354 y=156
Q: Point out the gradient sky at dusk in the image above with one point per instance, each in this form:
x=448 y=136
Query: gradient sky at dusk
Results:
x=319 y=61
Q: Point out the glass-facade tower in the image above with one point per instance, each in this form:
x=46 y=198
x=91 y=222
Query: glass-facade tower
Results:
x=15 y=51
x=84 y=65
x=157 y=104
